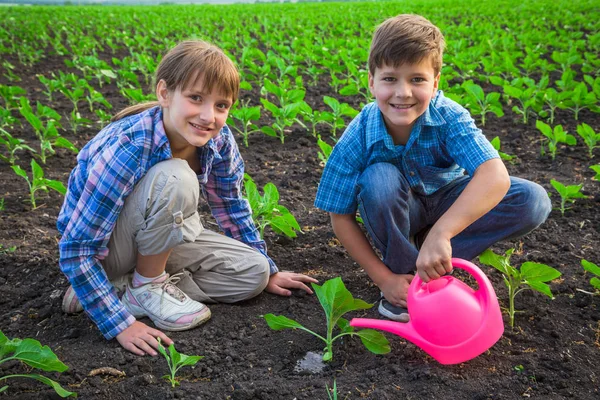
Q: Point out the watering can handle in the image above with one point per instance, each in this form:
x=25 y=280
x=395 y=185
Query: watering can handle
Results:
x=482 y=281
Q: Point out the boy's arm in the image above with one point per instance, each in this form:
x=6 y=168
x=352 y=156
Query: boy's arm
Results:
x=393 y=286
x=487 y=188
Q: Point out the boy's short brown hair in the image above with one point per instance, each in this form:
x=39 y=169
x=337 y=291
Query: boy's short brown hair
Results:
x=406 y=38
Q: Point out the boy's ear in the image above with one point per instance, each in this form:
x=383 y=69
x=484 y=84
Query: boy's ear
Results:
x=436 y=83
x=371 y=83
x=162 y=93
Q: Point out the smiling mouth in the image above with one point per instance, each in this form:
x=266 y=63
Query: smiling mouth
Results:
x=199 y=127
x=402 y=106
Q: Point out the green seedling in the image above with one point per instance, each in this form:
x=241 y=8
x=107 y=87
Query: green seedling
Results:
x=554 y=137
x=531 y=275
x=595 y=270
x=332 y=393
x=266 y=210
x=590 y=137
x=506 y=157
x=46 y=132
x=31 y=352
x=12 y=145
x=568 y=194
x=176 y=361
x=336 y=301
x=596 y=169
x=324 y=150
x=38 y=182
x=2 y=204
x=6 y=250
x=11 y=95
x=338 y=110
x=481 y=104
x=580 y=98
x=245 y=115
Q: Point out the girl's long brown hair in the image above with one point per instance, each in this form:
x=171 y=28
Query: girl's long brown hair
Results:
x=187 y=62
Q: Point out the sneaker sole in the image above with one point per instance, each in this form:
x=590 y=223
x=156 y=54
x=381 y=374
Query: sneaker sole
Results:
x=404 y=317
x=139 y=312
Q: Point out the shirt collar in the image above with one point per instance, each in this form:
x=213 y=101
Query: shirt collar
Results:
x=375 y=126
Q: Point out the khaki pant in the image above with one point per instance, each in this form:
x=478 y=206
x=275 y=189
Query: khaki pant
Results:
x=161 y=214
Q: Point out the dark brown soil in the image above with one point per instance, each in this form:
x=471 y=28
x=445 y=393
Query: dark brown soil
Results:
x=552 y=353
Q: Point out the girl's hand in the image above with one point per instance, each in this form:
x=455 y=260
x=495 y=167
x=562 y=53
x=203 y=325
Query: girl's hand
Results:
x=435 y=257
x=279 y=282
x=140 y=339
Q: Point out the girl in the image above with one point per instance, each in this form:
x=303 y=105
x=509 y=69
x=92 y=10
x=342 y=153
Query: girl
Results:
x=132 y=205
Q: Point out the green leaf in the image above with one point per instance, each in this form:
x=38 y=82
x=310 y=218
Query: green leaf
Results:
x=56 y=185
x=344 y=325
x=19 y=171
x=189 y=360
x=64 y=143
x=374 y=341
x=267 y=130
x=488 y=257
x=54 y=385
x=31 y=352
x=271 y=195
x=327 y=356
x=279 y=322
x=38 y=173
x=174 y=354
x=590 y=267
x=532 y=271
x=336 y=300
x=595 y=283
x=540 y=287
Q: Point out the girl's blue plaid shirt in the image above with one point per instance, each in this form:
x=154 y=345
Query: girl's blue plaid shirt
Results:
x=107 y=170
x=443 y=143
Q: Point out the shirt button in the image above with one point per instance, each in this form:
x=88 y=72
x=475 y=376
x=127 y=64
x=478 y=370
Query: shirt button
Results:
x=178 y=220
x=412 y=173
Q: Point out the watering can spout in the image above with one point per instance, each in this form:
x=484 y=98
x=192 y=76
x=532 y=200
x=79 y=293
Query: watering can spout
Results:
x=402 y=329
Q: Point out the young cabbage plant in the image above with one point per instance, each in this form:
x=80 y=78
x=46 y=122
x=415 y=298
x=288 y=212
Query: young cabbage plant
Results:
x=480 y=103
x=531 y=275
x=12 y=145
x=314 y=117
x=554 y=137
x=325 y=150
x=38 y=182
x=506 y=157
x=590 y=137
x=176 y=361
x=31 y=352
x=524 y=91
x=245 y=115
x=579 y=99
x=338 y=110
x=595 y=280
x=266 y=210
x=336 y=301
x=596 y=169
x=568 y=194
x=285 y=117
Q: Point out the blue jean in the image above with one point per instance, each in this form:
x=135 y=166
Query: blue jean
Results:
x=392 y=213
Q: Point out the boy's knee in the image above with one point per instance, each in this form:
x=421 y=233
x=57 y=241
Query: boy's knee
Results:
x=381 y=182
x=536 y=202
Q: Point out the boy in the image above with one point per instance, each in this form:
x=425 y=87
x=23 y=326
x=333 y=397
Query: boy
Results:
x=402 y=163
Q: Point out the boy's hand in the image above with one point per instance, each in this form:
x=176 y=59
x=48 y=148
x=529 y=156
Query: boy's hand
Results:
x=435 y=257
x=140 y=339
x=279 y=282
x=395 y=289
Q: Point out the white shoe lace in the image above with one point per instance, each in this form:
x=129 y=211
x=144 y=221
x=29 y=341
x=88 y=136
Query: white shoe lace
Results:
x=169 y=286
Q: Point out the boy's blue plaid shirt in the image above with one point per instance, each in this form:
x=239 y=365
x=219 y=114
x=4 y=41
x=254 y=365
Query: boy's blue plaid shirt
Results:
x=108 y=168
x=443 y=143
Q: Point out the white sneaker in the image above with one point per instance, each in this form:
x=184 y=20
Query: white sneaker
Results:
x=165 y=304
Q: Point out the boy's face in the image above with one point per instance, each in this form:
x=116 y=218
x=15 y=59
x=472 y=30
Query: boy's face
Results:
x=403 y=94
x=192 y=116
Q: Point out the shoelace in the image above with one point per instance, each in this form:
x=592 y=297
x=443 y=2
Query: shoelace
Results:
x=169 y=286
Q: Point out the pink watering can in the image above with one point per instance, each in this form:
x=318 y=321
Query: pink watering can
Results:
x=448 y=320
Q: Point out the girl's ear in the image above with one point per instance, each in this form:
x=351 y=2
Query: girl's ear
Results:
x=162 y=93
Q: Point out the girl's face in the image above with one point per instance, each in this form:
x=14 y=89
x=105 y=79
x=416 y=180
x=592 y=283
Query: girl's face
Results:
x=192 y=116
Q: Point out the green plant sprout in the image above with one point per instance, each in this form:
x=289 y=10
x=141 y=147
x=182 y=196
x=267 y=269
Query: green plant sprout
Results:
x=31 y=352
x=245 y=115
x=266 y=210
x=595 y=281
x=12 y=145
x=336 y=301
x=590 y=137
x=7 y=250
x=38 y=182
x=481 y=104
x=496 y=144
x=325 y=150
x=176 y=361
x=332 y=393
x=554 y=137
x=596 y=169
x=568 y=194
x=533 y=275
